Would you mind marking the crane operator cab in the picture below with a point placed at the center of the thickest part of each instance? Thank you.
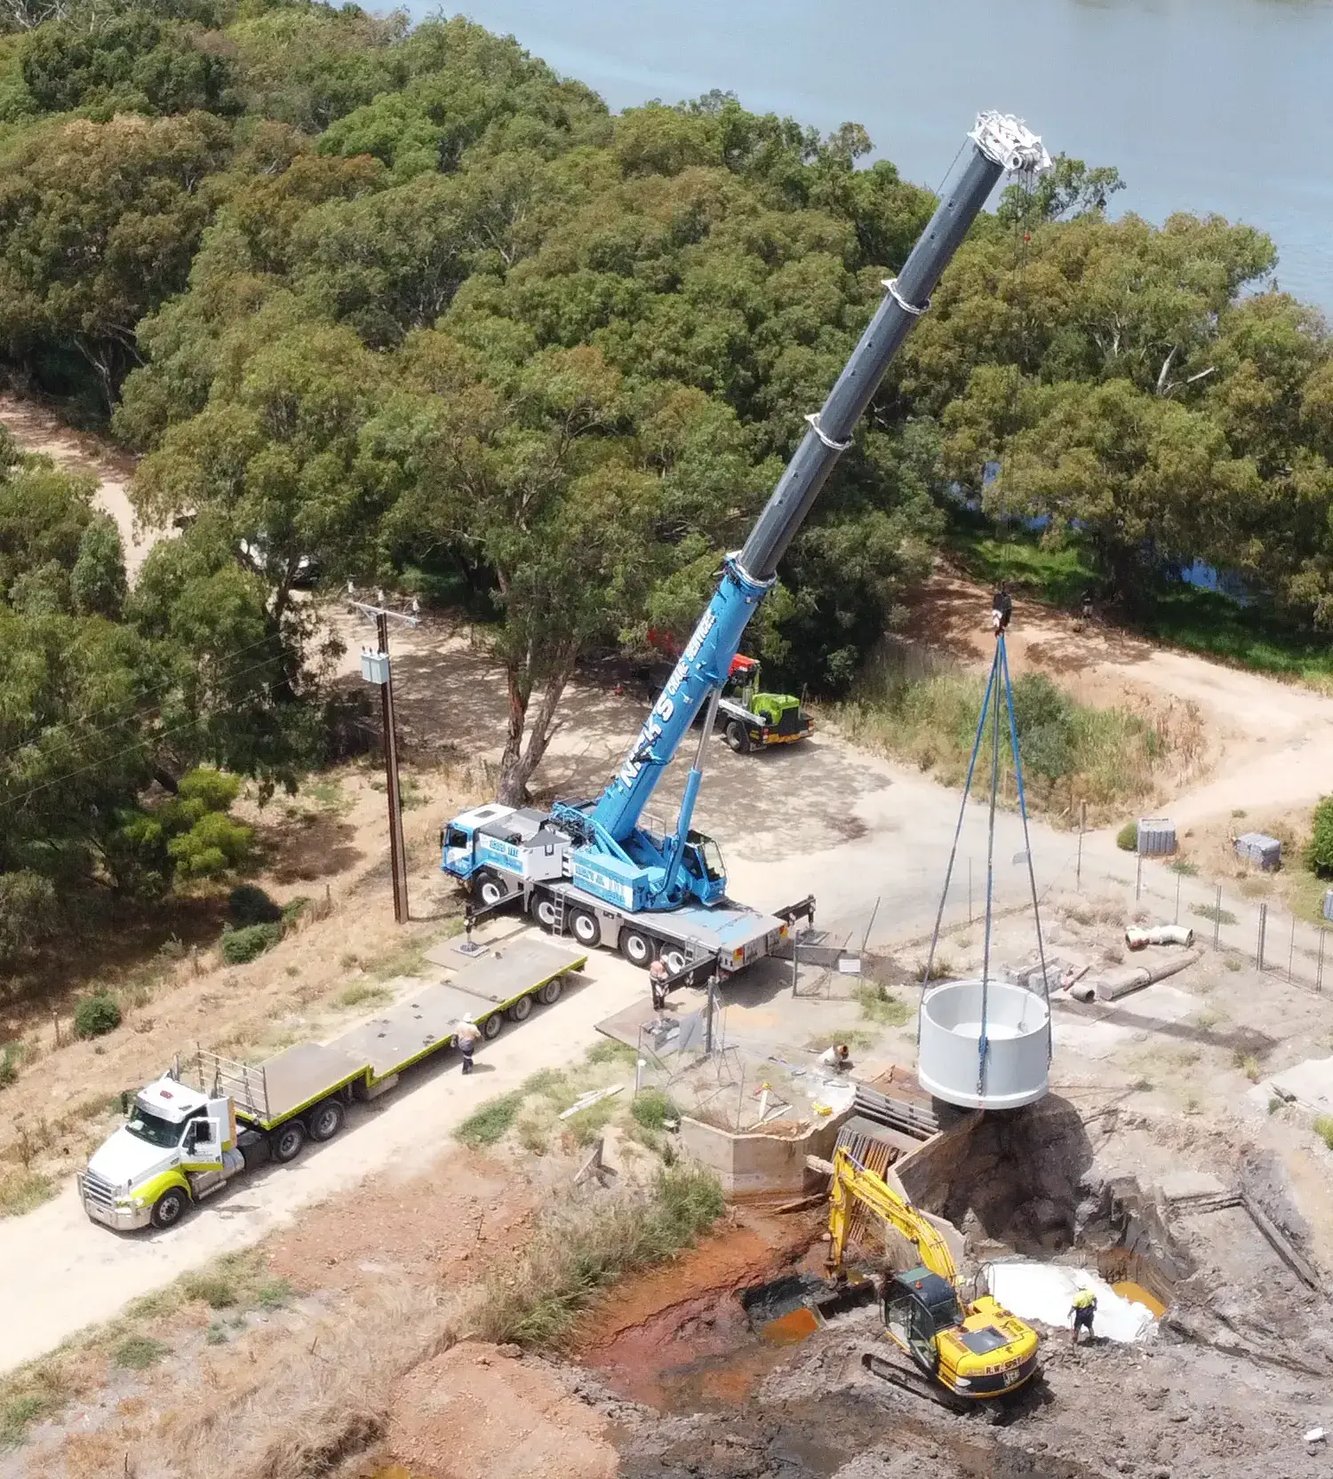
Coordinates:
(707, 874)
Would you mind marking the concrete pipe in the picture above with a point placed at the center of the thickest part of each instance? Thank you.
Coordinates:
(1159, 934)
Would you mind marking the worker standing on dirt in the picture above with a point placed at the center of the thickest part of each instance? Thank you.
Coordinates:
(657, 984)
(838, 1058)
(467, 1037)
(1001, 608)
(1083, 1309)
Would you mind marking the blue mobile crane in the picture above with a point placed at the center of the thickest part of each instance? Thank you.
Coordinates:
(592, 868)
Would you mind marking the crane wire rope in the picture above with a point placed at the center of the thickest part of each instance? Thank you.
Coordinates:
(999, 689)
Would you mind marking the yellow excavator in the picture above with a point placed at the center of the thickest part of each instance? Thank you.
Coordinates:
(975, 1349)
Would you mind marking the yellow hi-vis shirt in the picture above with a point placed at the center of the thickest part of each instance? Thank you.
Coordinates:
(1084, 1298)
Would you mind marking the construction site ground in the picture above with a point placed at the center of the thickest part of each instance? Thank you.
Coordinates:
(1167, 1080)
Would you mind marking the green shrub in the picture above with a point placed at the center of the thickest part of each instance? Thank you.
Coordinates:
(1323, 1127)
(293, 909)
(240, 946)
(1127, 838)
(249, 904)
(491, 1122)
(1321, 838)
(652, 1108)
(96, 1015)
(9, 1063)
(579, 1249)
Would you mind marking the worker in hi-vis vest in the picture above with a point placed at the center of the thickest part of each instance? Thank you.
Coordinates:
(1083, 1309)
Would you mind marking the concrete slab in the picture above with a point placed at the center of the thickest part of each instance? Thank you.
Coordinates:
(1177, 1184)
(1309, 1084)
(1099, 1029)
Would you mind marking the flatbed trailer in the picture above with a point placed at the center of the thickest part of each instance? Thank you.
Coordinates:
(212, 1118)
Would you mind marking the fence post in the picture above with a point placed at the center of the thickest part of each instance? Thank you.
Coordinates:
(1319, 970)
(1082, 828)
(1217, 917)
(1263, 926)
(1138, 875)
(1177, 918)
(1291, 953)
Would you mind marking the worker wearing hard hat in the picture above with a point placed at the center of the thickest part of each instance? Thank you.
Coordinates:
(467, 1035)
(1083, 1309)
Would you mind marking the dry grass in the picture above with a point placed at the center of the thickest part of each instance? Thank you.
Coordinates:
(924, 710)
(276, 1417)
(581, 1248)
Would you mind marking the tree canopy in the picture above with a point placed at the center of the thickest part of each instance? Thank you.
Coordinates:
(403, 301)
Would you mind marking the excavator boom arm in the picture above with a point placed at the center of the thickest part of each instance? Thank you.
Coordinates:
(853, 1183)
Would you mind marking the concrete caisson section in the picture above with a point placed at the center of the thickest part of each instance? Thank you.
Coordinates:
(1014, 1068)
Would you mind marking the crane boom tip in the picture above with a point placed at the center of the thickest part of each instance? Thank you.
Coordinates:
(1010, 142)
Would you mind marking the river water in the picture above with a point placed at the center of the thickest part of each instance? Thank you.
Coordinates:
(1203, 105)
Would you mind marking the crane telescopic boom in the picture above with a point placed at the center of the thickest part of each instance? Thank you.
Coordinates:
(1000, 143)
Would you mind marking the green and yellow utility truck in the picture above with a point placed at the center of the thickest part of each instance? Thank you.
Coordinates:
(210, 1119)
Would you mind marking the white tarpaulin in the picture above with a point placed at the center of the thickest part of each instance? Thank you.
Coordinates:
(1045, 1292)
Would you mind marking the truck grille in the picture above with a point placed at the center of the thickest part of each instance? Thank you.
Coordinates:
(98, 1190)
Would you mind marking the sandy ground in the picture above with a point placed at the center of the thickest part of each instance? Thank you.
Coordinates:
(1275, 740)
(36, 429)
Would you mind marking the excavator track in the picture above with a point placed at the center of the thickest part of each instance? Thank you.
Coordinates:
(909, 1379)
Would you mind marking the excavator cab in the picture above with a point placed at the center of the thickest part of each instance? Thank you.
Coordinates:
(917, 1306)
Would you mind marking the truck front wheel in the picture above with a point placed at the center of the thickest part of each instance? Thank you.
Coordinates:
(287, 1140)
(737, 737)
(489, 888)
(169, 1208)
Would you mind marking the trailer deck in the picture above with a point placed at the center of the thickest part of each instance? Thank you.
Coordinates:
(379, 1049)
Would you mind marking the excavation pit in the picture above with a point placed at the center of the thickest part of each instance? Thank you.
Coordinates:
(1012, 1071)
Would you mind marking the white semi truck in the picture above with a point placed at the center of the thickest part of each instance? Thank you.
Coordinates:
(210, 1119)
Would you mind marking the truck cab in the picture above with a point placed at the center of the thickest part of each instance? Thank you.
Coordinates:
(752, 719)
(176, 1145)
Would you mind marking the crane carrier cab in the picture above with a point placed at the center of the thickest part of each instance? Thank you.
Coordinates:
(522, 858)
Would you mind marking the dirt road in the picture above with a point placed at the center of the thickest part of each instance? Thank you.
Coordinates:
(67, 1273)
(1274, 740)
(36, 429)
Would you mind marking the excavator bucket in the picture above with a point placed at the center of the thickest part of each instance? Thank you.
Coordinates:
(788, 1309)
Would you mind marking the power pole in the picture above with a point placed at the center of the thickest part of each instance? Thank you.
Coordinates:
(376, 668)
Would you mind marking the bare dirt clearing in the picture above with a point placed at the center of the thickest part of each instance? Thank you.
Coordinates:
(1273, 740)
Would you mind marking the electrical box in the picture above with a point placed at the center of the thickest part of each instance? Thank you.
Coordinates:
(374, 666)
(1258, 848)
